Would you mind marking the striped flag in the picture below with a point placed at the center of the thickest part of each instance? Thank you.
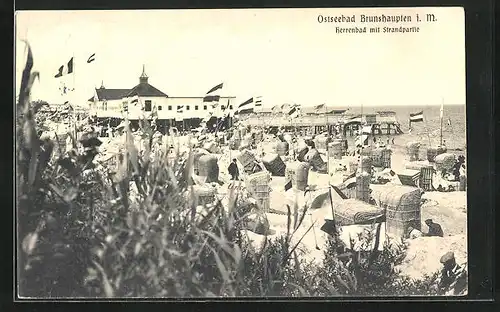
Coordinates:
(246, 107)
(258, 101)
(65, 69)
(217, 87)
(417, 117)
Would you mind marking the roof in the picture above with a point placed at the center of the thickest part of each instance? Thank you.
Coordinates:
(307, 110)
(323, 110)
(110, 94)
(145, 89)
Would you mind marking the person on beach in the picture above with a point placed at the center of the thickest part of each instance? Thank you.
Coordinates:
(233, 170)
(434, 228)
(453, 279)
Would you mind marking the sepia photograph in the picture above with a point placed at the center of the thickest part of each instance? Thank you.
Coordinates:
(231, 153)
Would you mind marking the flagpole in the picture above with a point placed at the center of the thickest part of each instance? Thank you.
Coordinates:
(328, 136)
(441, 122)
(74, 95)
(427, 127)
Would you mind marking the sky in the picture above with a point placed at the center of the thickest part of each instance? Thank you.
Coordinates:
(283, 55)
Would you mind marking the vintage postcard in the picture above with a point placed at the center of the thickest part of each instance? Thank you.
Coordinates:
(241, 152)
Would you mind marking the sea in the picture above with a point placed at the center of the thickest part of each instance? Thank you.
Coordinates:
(428, 131)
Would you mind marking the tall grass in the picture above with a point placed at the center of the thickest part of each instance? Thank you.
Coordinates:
(136, 230)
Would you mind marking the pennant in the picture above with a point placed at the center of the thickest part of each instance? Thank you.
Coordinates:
(65, 69)
(217, 87)
(288, 185)
(417, 117)
(247, 102)
(91, 58)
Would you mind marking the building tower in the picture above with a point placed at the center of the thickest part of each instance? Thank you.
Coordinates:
(144, 78)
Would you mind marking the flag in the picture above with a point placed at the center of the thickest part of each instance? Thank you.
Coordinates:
(288, 185)
(448, 121)
(65, 69)
(293, 112)
(211, 98)
(317, 108)
(91, 58)
(245, 107)
(258, 101)
(217, 87)
(417, 117)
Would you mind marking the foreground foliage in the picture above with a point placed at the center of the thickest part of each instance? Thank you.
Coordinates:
(136, 230)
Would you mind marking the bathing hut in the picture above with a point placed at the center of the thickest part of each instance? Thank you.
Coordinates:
(402, 206)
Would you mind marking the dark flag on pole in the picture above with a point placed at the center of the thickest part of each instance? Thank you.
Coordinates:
(217, 87)
(317, 108)
(245, 107)
(293, 112)
(91, 58)
(65, 69)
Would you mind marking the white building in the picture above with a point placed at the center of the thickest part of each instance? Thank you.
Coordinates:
(110, 104)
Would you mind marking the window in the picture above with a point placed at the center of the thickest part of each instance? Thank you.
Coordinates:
(147, 105)
(187, 107)
(230, 106)
(170, 107)
(204, 107)
(196, 107)
(223, 107)
(159, 107)
(178, 107)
